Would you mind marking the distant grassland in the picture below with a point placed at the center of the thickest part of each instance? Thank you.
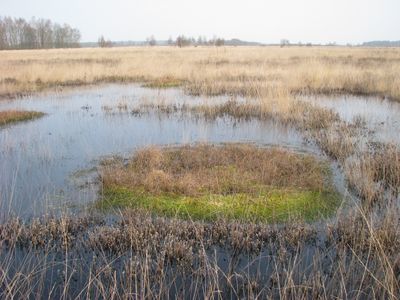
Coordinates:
(262, 72)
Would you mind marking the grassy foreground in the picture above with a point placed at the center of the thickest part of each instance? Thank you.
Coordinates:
(234, 182)
(12, 116)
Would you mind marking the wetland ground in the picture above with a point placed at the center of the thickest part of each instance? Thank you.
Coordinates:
(231, 182)
(248, 172)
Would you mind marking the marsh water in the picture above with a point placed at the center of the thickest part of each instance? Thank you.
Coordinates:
(380, 116)
(49, 164)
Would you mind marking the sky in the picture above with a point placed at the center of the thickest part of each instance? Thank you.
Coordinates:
(268, 21)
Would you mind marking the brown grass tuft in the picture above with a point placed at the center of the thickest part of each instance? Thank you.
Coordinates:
(193, 170)
(12, 116)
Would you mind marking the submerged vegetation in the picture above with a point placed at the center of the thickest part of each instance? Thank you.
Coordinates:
(232, 181)
(12, 116)
(155, 257)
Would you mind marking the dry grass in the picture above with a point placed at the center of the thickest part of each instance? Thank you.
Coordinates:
(232, 181)
(372, 170)
(141, 256)
(375, 175)
(250, 71)
(12, 116)
(193, 170)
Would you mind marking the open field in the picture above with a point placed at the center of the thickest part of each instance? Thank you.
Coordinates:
(230, 172)
(250, 71)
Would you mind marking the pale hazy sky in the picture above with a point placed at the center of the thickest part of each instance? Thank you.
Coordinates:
(256, 20)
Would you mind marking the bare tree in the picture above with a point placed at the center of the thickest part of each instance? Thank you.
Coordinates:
(59, 36)
(219, 42)
(3, 37)
(9, 33)
(199, 40)
(182, 41)
(21, 34)
(74, 37)
(44, 33)
(68, 37)
(151, 41)
(103, 43)
(284, 43)
(30, 37)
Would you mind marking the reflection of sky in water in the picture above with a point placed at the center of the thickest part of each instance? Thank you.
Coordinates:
(382, 116)
(39, 157)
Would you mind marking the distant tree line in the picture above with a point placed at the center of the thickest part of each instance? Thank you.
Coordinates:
(182, 41)
(103, 43)
(17, 33)
(151, 41)
(287, 43)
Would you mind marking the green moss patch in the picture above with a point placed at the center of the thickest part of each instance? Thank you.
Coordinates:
(207, 182)
(273, 206)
